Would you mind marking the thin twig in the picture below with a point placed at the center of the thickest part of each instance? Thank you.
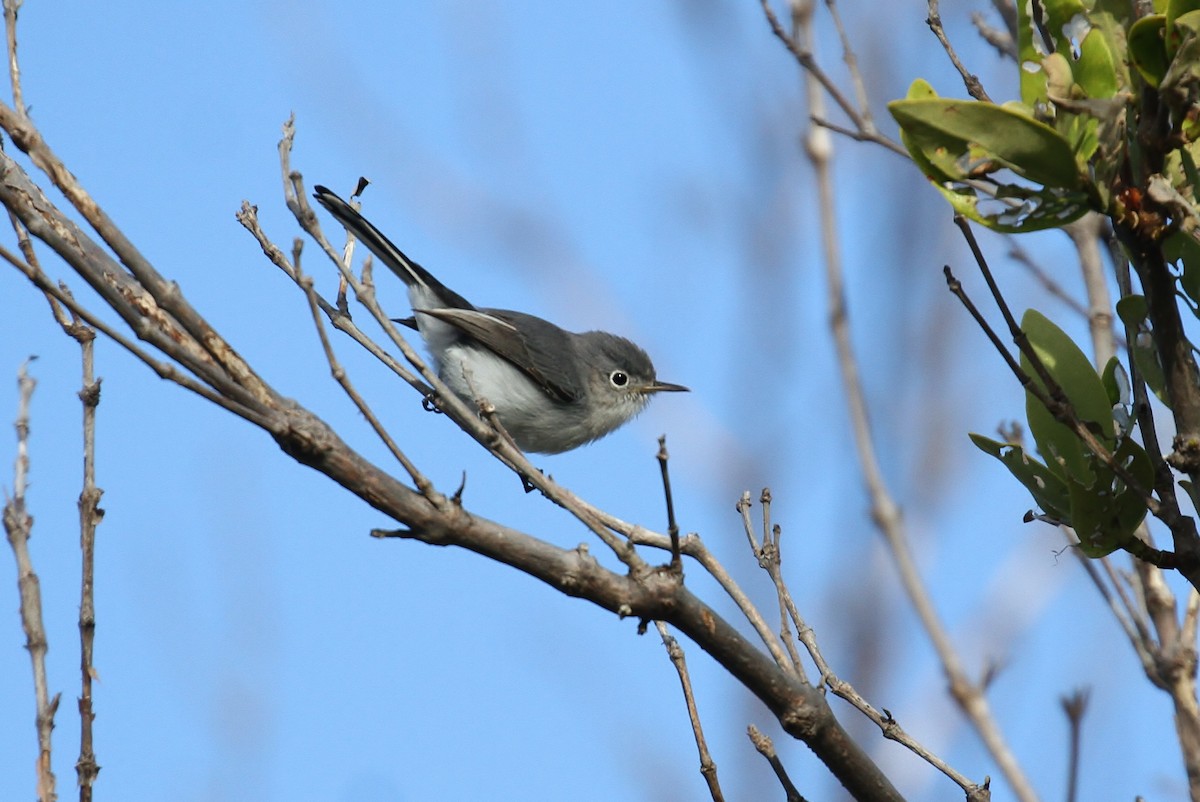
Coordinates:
(18, 525)
(693, 546)
(1085, 234)
(1052, 396)
(766, 747)
(1074, 706)
(848, 55)
(970, 80)
(1038, 15)
(420, 481)
(672, 526)
(1005, 45)
(708, 768)
(90, 515)
(11, 9)
(884, 510)
(860, 136)
(805, 59)
(768, 557)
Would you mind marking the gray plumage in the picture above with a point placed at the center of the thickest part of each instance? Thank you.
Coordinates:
(553, 389)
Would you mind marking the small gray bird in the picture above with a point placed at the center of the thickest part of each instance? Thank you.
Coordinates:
(553, 390)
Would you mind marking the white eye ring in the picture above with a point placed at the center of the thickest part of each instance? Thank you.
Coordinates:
(618, 378)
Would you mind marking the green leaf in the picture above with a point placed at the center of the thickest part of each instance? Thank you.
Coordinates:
(1133, 311)
(980, 131)
(1106, 512)
(1016, 210)
(1183, 49)
(1147, 48)
(1175, 23)
(1109, 378)
(1049, 490)
(1067, 365)
(950, 165)
(1181, 247)
(1096, 69)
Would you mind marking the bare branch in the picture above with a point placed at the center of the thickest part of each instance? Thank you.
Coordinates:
(884, 511)
(766, 748)
(18, 525)
(11, 8)
(708, 768)
(970, 80)
(1074, 706)
(770, 559)
(806, 61)
(90, 515)
(672, 526)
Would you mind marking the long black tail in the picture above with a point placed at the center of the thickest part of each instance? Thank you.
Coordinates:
(385, 250)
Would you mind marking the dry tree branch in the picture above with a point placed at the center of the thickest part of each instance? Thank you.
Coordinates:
(60, 294)
(672, 526)
(18, 525)
(420, 481)
(770, 559)
(884, 511)
(863, 126)
(766, 748)
(1085, 234)
(693, 546)
(1074, 707)
(158, 313)
(11, 8)
(90, 515)
(970, 80)
(708, 768)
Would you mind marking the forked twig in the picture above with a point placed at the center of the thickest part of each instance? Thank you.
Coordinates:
(770, 559)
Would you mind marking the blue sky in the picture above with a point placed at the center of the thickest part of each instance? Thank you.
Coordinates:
(627, 166)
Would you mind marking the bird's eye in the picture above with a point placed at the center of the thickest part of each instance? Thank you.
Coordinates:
(619, 378)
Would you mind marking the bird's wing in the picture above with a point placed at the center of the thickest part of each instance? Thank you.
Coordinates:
(496, 330)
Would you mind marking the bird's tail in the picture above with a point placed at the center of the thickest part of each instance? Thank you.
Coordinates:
(411, 273)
